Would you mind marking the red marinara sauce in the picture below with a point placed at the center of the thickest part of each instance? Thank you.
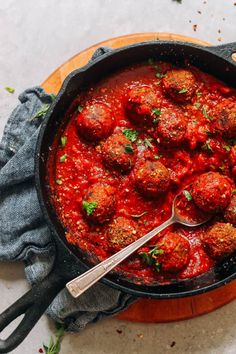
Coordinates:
(163, 118)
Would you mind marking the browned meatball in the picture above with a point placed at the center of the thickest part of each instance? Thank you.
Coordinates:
(225, 119)
(172, 127)
(121, 233)
(99, 203)
(220, 241)
(95, 121)
(151, 178)
(140, 103)
(119, 153)
(211, 191)
(175, 254)
(179, 84)
(230, 211)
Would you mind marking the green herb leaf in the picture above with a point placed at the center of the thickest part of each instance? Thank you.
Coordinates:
(184, 90)
(156, 111)
(187, 195)
(137, 216)
(79, 109)
(53, 96)
(147, 142)
(63, 158)
(129, 149)
(63, 141)
(197, 104)
(226, 147)
(41, 113)
(157, 157)
(9, 89)
(58, 181)
(89, 207)
(205, 114)
(222, 168)
(234, 191)
(54, 346)
(207, 146)
(160, 75)
(151, 257)
(198, 94)
(130, 134)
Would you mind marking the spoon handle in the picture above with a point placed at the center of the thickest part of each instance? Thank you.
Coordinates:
(80, 284)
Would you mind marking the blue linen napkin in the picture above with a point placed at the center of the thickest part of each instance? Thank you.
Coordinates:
(24, 234)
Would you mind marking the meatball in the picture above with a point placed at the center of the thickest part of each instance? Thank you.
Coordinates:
(140, 103)
(119, 153)
(172, 127)
(121, 233)
(225, 119)
(220, 241)
(179, 84)
(151, 178)
(230, 211)
(99, 203)
(175, 254)
(211, 191)
(95, 121)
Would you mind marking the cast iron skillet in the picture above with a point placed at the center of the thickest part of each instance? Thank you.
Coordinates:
(69, 262)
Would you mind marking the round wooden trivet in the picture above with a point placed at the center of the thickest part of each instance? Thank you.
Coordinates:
(146, 310)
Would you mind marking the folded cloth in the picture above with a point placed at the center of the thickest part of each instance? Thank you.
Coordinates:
(24, 234)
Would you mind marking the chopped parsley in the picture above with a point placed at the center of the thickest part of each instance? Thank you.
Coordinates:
(198, 94)
(234, 191)
(157, 157)
(156, 111)
(197, 104)
(187, 195)
(151, 257)
(129, 149)
(63, 141)
(79, 109)
(160, 75)
(226, 147)
(63, 158)
(205, 114)
(89, 207)
(130, 134)
(41, 113)
(207, 146)
(184, 90)
(147, 142)
(58, 181)
(54, 345)
(222, 168)
(137, 216)
(9, 89)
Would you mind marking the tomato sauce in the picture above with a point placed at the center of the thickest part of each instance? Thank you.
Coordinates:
(78, 164)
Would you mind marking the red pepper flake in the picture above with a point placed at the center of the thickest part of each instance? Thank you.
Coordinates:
(194, 28)
(40, 350)
(119, 331)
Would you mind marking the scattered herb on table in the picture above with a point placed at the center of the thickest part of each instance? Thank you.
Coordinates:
(187, 195)
(89, 207)
(9, 89)
(130, 134)
(54, 345)
(129, 149)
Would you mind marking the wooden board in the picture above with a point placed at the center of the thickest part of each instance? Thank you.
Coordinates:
(146, 310)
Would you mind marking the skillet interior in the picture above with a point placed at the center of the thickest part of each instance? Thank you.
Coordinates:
(205, 59)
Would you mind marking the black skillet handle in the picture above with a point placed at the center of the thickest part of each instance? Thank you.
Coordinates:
(225, 51)
(100, 51)
(33, 304)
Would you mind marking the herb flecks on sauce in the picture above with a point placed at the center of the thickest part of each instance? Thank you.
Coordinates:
(89, 207)
(151, 257)
(130, 134)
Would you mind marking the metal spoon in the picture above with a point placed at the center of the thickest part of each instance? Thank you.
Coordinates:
(80, 284)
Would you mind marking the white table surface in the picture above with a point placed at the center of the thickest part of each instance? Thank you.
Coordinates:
(35, 38)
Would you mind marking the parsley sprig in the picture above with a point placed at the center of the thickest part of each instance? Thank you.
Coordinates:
(54, 345)
(89, 207)
(130, 134)
(151, 257)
